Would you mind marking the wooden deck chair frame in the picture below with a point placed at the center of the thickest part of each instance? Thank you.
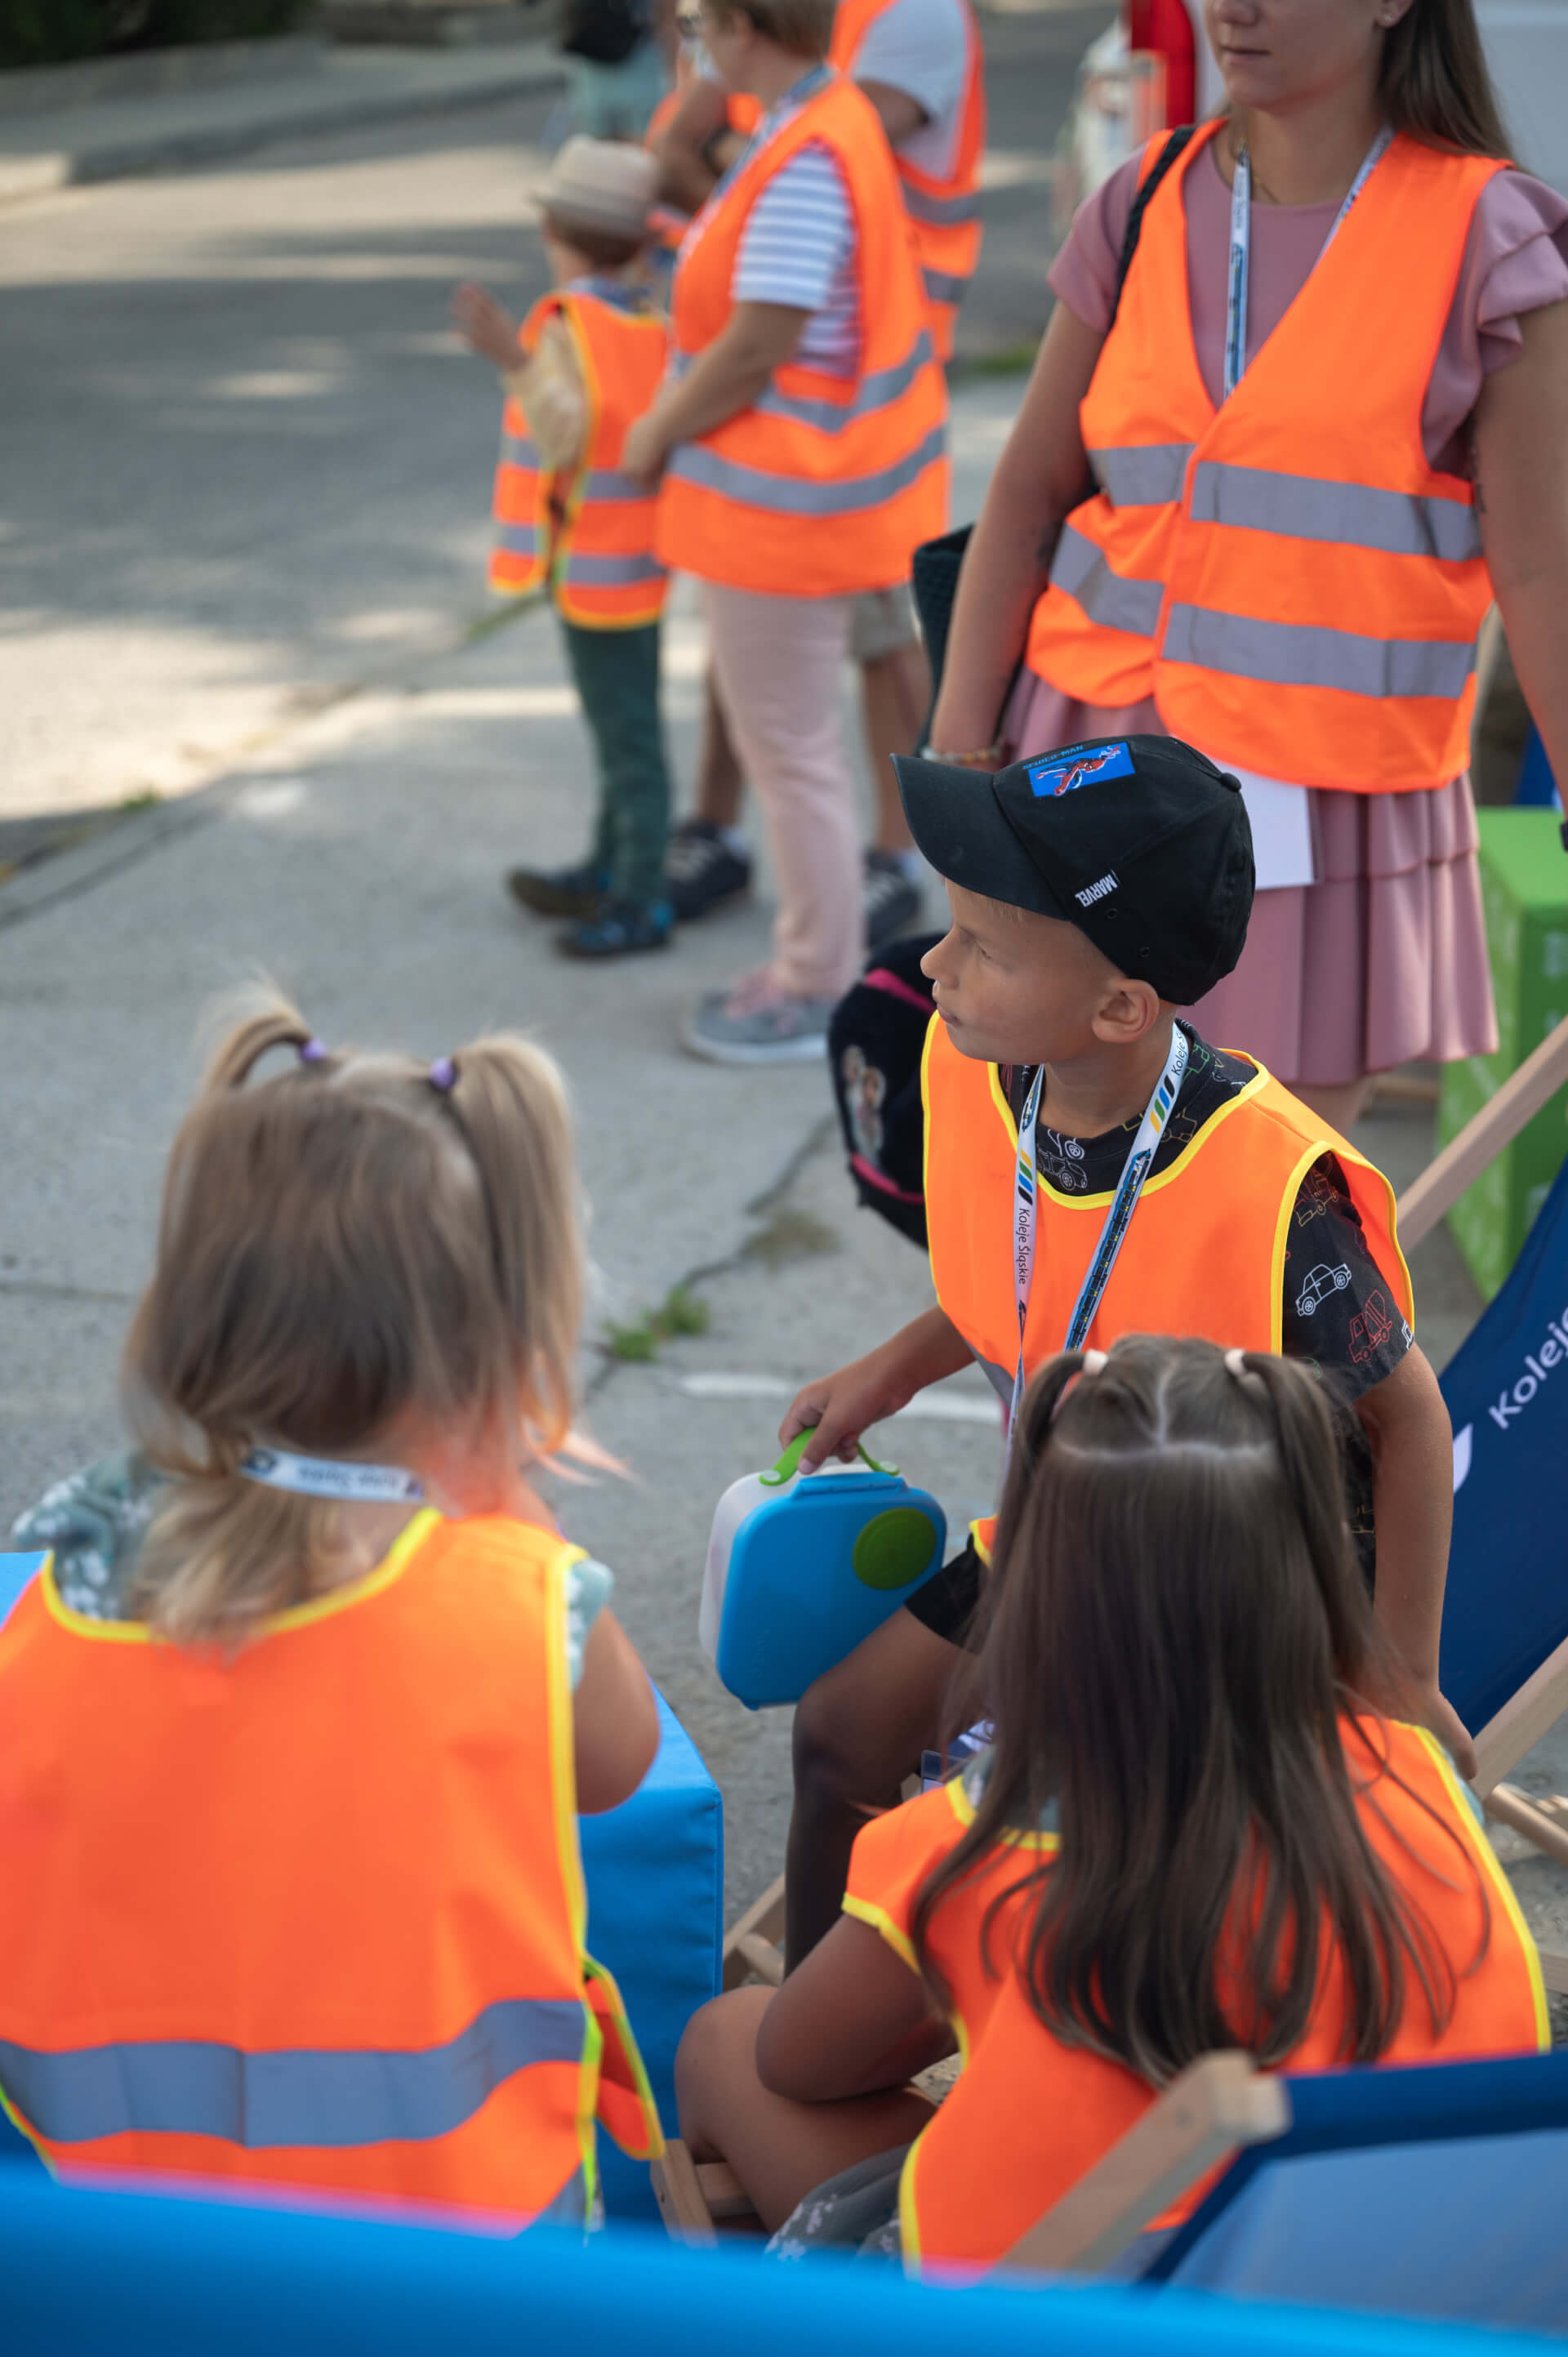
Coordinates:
(1204, 2118)
(1542, 1699)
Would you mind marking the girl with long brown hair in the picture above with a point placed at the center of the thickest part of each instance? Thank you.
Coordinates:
(1199, 1825)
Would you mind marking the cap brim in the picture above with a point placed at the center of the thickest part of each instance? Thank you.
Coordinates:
(959, 826)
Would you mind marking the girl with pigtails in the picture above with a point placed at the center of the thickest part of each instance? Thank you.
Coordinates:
(1204, 1823)
(290, 1821)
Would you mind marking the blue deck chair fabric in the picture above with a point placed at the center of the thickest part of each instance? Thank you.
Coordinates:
(1506, 1389)
(1429, 2190)
(125, 2275)
(655, 1872)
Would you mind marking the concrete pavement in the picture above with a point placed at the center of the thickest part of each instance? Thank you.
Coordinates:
(94, 126)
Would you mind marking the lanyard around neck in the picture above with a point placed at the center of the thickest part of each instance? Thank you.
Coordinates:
(1118, 1218)
(1241, 250)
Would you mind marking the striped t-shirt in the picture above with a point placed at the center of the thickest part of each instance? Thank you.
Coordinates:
(799, 246)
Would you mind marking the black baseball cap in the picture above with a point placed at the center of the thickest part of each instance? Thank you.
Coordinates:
(1140, 842)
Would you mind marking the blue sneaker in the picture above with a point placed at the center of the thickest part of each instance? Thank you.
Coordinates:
(560, 891)
(617, 927)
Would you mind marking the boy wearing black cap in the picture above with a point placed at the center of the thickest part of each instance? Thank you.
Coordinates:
(1093, 1168)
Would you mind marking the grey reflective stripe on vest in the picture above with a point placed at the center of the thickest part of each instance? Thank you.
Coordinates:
(880, 389)
(1081, 569)
(1293, 655)
(517, 539)
(942, 286)
(610, 572)
(516, 450)
(793, 495)
(1301, 506)
(609, 485)
(326, 2097)
(941, 212)
(1142, 475)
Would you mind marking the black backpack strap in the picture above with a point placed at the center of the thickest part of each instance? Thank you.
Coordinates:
(1162, 164)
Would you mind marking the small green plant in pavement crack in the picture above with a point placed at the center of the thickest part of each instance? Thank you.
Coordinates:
(681, 1311)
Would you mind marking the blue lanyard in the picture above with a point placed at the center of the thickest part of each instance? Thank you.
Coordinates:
(1118, 1218)
(1241, 250)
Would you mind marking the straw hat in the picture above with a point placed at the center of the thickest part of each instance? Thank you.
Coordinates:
(603, 184)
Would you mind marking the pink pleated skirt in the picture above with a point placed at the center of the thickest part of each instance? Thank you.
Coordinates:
(1382, 960)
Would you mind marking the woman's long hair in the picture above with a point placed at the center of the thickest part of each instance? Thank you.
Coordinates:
(1434, 83)
(1176, 1625)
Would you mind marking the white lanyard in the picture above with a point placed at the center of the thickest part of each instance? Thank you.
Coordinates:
(338, 1478)
(1118, 1218)
(1241, 248)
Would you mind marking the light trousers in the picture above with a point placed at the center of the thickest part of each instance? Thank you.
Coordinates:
(777, 664)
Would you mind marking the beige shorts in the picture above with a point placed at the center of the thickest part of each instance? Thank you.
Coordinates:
(880, 621)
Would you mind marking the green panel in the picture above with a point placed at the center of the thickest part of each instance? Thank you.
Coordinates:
(894, 1548)
(1524, 891)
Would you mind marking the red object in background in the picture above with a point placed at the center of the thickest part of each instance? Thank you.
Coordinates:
(1166, 27)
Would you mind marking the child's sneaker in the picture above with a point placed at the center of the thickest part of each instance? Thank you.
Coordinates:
(703, 868)
(560, 891)
(616, 927)
(757, 1023)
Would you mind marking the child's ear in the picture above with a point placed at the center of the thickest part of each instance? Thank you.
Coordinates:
(1128, 1012)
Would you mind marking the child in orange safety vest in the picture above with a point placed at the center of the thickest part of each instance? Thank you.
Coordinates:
(1094, 1169)
(570, 523)
(288, 1804)
(1194, 1830)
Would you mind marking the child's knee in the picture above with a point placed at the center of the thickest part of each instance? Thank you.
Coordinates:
(824, 1742)
(718, 2047)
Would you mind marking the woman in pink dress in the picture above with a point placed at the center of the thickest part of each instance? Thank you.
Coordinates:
(1367, 945)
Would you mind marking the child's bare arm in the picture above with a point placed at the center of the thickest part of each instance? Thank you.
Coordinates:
(852, 2020)
(1412, 1442)
(841, 1407)
(614, 1718)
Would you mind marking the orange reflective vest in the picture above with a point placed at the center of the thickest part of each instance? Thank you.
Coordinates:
(1206, 1250)
(945, 209)
(589, 534)
(1298, 590)
(826, 485)
(311, 1912)
(1030, 2115)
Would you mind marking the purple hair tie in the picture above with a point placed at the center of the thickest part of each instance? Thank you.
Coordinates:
(442, 1074)
(312, 1052)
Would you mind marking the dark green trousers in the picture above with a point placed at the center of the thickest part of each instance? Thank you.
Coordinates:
(616, 676)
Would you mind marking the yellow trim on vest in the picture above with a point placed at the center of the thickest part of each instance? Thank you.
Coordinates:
(20, 2125)
(908, 2222)
(963, 1810)
(1277, 1259)
(563, 1797)
(391, 1567)
(594, 1971)
(1151, 1186)
(926, 1102)
(1492, 1869)
(879, 1919)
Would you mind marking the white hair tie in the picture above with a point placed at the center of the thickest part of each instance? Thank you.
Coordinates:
(1092, 1362)
(1236, 1364)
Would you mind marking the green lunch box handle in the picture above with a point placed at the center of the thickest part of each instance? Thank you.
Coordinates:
(788, 1465)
